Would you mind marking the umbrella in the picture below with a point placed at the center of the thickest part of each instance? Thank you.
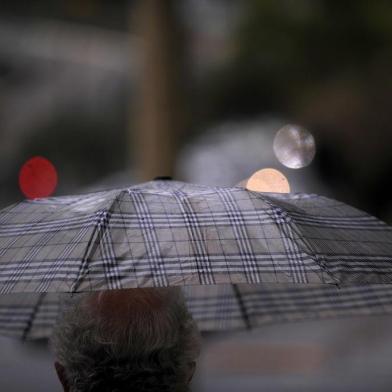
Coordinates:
(243, 258)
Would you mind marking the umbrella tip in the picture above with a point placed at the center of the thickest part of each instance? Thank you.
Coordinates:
(163, 178)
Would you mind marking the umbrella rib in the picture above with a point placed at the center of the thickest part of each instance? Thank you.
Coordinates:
(241, 304)
(95, 240)
(292, 226)
(33, 316)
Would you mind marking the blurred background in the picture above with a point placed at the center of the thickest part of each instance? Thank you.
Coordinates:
(115, 93)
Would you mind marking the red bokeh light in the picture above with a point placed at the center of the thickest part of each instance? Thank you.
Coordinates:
(37, 178)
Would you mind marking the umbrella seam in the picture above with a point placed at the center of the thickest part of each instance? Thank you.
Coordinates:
(308, 249)
(94, 241)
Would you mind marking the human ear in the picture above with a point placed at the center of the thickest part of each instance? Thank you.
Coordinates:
(191, 372)
(60, 370)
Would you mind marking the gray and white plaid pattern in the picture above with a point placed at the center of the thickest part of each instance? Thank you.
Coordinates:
(221, 307)
(164, 233)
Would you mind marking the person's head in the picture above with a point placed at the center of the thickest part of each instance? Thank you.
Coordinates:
(136, 340)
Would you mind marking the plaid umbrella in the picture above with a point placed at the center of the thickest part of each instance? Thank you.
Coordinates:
(243, 258)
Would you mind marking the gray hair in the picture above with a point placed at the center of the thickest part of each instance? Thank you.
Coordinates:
(127, 340)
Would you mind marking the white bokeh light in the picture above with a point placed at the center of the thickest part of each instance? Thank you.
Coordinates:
(294, 146)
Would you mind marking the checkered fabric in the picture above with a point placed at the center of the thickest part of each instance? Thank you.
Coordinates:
(167, 233)
(223, 307)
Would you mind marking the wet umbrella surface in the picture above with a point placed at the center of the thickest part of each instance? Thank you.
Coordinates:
(243, 258)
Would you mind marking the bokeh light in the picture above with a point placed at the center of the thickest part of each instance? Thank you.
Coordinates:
(268, 180)
(37, 178)
(294, 146)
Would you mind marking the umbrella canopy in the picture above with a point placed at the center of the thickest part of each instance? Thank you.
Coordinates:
(216, 307)
(243, 258)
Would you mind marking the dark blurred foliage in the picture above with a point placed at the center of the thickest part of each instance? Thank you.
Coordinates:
(72, 98)
(103, 13)
(285, 49)
(326, 65)
(322, 64)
